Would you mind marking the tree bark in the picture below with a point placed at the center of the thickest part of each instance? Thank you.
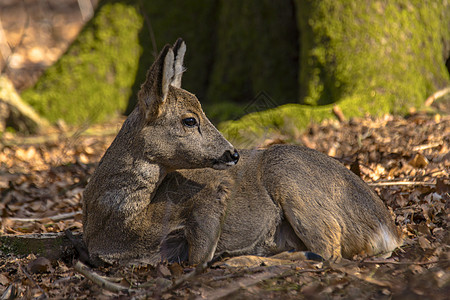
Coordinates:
(387, 55)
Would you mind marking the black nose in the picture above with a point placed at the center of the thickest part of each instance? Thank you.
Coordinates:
(232, 157)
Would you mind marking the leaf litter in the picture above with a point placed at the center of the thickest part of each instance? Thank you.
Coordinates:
(406, 160)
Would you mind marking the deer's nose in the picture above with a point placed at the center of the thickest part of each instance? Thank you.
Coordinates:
(232, 157)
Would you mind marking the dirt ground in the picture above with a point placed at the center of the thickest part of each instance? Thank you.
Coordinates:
(406, 161)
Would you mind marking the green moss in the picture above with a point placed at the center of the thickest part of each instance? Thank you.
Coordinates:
(252, 129)
(371, 57)
(386, 56)
(88, 83)
(103, 69)
(288, 120)
(381, 53)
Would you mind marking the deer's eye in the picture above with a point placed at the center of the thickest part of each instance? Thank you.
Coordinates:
(189, 122)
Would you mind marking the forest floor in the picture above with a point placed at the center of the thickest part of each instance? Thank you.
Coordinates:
(405, 160)
(42, 178)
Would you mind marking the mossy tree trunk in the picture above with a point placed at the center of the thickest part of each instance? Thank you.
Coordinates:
(92, 79)
(102, 70)
(391, 53)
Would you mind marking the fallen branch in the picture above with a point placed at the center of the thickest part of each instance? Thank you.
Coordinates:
(394, 183)
(24, 116)
(363, 277)
(57, 137)
(240, 284)
(49, 245)
(338, 113)
(99, 280)
(436, 96)
(426, 146)
(55, 218)
(33, 281)
(250, 280)
(403, 262)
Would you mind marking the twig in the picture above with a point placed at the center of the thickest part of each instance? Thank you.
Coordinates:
(198, 270)
(250, 280)
(235, 286)
(363, 277)
(404, 262)
(32, 280)
(426, 146)
(437, 95)
(393, 183)
(338, 113)
(55, 218)
(99, 280)
(35, 140)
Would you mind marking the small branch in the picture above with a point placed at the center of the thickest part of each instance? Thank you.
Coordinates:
(198, 270)
(250, 280)
(51, 138)
(99, 280)
(33, 281)
(404, 262)
(426, 146)
(363, 277)
(338, 113)
(28, 118)
(55, 218)
(50, 245)
(394, 183)
(436, 96)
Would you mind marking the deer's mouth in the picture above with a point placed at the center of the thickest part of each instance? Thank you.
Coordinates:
(228, 159)
(219, 165)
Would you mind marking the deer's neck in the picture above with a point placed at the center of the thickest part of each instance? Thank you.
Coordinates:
(127, 180)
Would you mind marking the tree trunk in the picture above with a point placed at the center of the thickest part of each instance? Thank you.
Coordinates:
(378, 56)
(386, 55)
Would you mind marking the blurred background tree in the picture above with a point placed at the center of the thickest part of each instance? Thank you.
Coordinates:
(367, 57)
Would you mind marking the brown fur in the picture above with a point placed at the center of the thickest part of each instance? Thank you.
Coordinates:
(158, 192)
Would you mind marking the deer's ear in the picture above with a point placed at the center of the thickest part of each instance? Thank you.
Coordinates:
(167, 70)
(168, 73)
(179, 49)
(154, 90)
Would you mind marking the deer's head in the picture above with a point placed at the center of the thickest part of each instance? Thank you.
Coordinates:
(174, 130)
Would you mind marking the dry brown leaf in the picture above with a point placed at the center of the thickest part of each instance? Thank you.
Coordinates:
(4, 280)
(419, 161)
(40, 265)
(424, 243)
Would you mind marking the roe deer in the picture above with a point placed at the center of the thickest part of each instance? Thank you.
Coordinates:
(170, 187)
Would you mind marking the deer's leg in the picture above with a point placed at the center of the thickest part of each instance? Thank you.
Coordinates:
(204, 223)
(317, 227)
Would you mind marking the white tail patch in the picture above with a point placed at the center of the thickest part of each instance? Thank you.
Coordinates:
(384, 241)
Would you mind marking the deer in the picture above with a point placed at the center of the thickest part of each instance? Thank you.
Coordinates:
(171, 188)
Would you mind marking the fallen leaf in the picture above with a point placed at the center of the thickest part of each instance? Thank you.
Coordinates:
(424, 243)
(40, 265)
(419, 161)
(163, 270)
(4, 280)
